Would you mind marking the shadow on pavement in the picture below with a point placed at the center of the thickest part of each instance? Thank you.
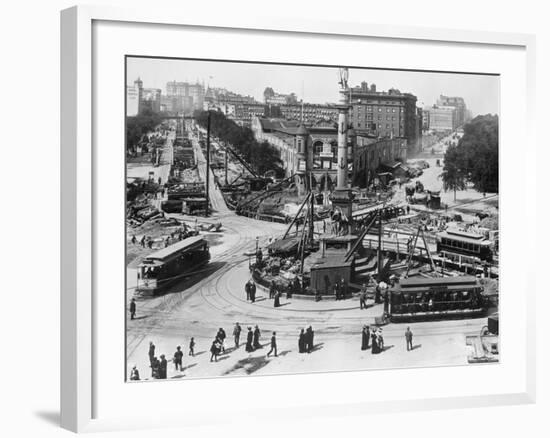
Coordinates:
(51, 417)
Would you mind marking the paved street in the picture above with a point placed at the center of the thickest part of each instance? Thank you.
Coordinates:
(215, 298)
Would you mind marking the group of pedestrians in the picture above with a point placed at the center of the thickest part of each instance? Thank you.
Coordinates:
(305, 340)
(218, 345)
(159, 365)
(145, 241)
(373, 336)
(253, 339)
(250, 289)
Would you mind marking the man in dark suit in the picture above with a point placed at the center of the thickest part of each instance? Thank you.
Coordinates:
(273, 345)
(409, 339)
(132, 308)
(253, 291)
(247, 289)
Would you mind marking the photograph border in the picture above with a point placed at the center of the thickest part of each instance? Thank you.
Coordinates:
(78, 201)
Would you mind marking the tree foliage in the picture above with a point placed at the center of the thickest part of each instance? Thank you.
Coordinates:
(137, 126)
(475, 158)
(261, 156)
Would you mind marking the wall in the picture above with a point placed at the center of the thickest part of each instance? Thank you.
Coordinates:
(30, 286)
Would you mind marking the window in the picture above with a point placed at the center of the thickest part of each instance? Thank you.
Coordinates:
(379, 110)
(387, 110)
(393, 110)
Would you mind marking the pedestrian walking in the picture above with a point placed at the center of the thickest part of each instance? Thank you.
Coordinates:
(365, 337)
(375, 348)
(237, 334)
(252, 291)
(409, 339)
(277, 300)
(215, 350)
(302, 342)
(134, 240)
(249, 340)
(247, 289)
(272, 289)
(178, 358)
(336, 291)
(151, 352)
(363, 297)
(167, 241)
(257, 335)
(142, 241)
(192, 347)
(150, 243)
(163, 367)
(155, 368)
(273, 345)
(134, 374)
(132, 308)
(309, 339)
(221, 337)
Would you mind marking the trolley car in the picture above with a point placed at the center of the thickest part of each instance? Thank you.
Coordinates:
(462, 242)
(160, 269)
(426, 298)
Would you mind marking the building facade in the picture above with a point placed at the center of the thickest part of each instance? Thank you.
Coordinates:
(386, 114)
(442, 118)
(321, 149)
(459, 105)
(185, 97)
(139, 98)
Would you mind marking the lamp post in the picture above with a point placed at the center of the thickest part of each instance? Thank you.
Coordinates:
(257, 243)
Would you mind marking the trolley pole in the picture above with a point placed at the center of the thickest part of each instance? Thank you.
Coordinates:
(207, 210)
(225, 164)
(379, 262)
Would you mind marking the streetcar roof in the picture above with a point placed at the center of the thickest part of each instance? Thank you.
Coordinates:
(171, 250)
(464, 237)
(421, 284)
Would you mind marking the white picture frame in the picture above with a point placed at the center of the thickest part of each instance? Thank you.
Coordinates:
(80, 366)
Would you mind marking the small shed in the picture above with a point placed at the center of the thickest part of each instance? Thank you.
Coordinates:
(327, 271)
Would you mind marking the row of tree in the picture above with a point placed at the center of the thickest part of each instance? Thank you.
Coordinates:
(262, 156)
(475, 158)
(137, 126)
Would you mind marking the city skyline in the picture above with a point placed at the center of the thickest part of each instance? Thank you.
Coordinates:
(316, 84)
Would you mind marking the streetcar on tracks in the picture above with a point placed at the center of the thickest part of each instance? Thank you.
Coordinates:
(422, 298)
(162, 268)
(464, 243)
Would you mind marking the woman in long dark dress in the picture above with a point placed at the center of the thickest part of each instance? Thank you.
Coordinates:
(302, 342)
(257, 338)
(365, 337)
(249, 337)
(277, 301)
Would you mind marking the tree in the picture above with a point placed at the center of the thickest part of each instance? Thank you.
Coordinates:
(475, 158)
(261, 156)
(453, 174)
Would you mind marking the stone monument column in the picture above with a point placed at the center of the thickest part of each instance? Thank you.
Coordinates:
(341, 197)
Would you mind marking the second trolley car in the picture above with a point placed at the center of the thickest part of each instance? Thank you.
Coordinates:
(462, 242)
(162, 268)
(426, 298)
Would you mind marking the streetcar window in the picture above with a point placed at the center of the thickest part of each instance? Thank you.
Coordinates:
(476, 248)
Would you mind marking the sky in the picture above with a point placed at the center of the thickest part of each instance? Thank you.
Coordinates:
(316, 84)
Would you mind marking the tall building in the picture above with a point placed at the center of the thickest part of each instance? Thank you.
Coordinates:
(458, 104)
(187, 97)
(366, 154)
(386, 114)
(442, 118)
(139, 98)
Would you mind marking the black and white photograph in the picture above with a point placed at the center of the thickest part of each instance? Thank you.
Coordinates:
(290, 219)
